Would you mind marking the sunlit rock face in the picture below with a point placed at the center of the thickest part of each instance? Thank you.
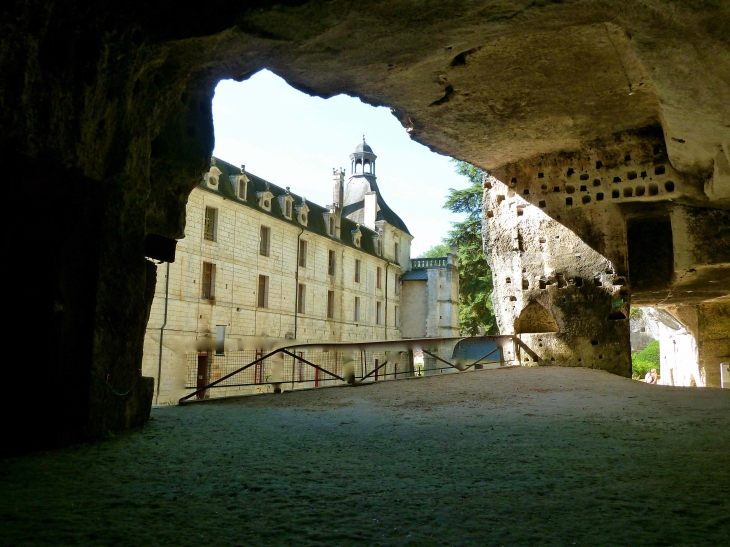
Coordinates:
(565, 301)
(117, 97)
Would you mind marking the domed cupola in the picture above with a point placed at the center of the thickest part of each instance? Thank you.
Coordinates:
(363, 160)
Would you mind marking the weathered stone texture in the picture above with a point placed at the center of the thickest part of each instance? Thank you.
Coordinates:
(119, 94)
(569, 299)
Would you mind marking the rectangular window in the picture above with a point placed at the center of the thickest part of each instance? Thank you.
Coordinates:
(242, 189)
(357, 271)
(357, 309)
(265, 241)
(377, 278)
(211, 219)
(220, 336)
(330, 304)
(301, 298)
(397, 319)
(207, 287)
(263, 291)
(302, 253)
(379, 313)
(397, 254)
(332, 226)
(397, 284)
(287, 209)
(331, 263)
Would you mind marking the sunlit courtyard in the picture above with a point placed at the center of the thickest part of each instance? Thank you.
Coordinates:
(520, 456)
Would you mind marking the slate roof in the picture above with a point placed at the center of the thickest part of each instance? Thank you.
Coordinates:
(385, 213)
(415, 275)
(363, 147)
(315, 224)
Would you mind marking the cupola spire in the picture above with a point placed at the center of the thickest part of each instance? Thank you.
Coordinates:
(363, 160)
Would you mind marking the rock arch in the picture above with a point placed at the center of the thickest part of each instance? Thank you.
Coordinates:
(535, 318)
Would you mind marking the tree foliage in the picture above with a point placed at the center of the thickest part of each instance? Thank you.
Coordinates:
(442, 249)
(475, 277)
(646, 359)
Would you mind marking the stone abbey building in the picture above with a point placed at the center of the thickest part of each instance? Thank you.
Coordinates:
(260, 266)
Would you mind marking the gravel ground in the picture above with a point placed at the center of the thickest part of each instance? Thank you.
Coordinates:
(523, 456)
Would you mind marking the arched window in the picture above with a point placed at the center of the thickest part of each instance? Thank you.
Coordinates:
(366, 166)
(358, 166)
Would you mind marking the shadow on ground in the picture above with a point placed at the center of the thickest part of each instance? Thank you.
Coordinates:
(538, 456)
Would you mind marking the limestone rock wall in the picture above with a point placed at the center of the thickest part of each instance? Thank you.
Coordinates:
(706, 326)
(560, 296)
(119, 95)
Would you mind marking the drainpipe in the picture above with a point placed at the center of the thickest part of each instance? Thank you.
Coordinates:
(162, 333)
(296, 287)
(387, 265)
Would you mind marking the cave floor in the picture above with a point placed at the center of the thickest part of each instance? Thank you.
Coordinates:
(523, 456)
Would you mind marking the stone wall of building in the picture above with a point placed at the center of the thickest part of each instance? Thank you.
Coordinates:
(415, 308)
(192, 320)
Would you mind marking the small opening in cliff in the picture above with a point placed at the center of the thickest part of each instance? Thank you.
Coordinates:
(651, 252)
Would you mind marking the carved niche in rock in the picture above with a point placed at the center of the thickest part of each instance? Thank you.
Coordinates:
(535, 318)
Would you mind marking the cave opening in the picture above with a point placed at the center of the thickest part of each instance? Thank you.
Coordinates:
(651, 252)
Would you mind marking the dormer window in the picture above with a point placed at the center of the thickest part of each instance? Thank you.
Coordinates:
(239, 185)
(330, 224)
(265, 199)
(378, 244)
(211, 177)
(302, 212)
(286, 202)
(356, 236)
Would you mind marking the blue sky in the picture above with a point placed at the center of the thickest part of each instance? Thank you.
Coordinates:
(292, 139)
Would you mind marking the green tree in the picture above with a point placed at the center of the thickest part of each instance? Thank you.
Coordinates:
(645, 360)
(475, 277)
(442, 249)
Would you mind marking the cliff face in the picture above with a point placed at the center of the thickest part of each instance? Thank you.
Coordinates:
(107, 125)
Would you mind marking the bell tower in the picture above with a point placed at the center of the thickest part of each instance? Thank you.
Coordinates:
(363, 160)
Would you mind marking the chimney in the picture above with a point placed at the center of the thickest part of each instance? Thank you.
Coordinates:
(338, 190)
(370, 212)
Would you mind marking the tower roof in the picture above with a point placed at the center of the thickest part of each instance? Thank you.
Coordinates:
(363, 146)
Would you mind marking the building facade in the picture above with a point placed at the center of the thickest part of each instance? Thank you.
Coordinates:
(261, 267)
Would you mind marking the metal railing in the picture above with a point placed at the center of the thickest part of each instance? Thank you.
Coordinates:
(317, 365)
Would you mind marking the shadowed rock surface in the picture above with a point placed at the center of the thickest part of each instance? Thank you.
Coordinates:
(524, 457)
(106, 126)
